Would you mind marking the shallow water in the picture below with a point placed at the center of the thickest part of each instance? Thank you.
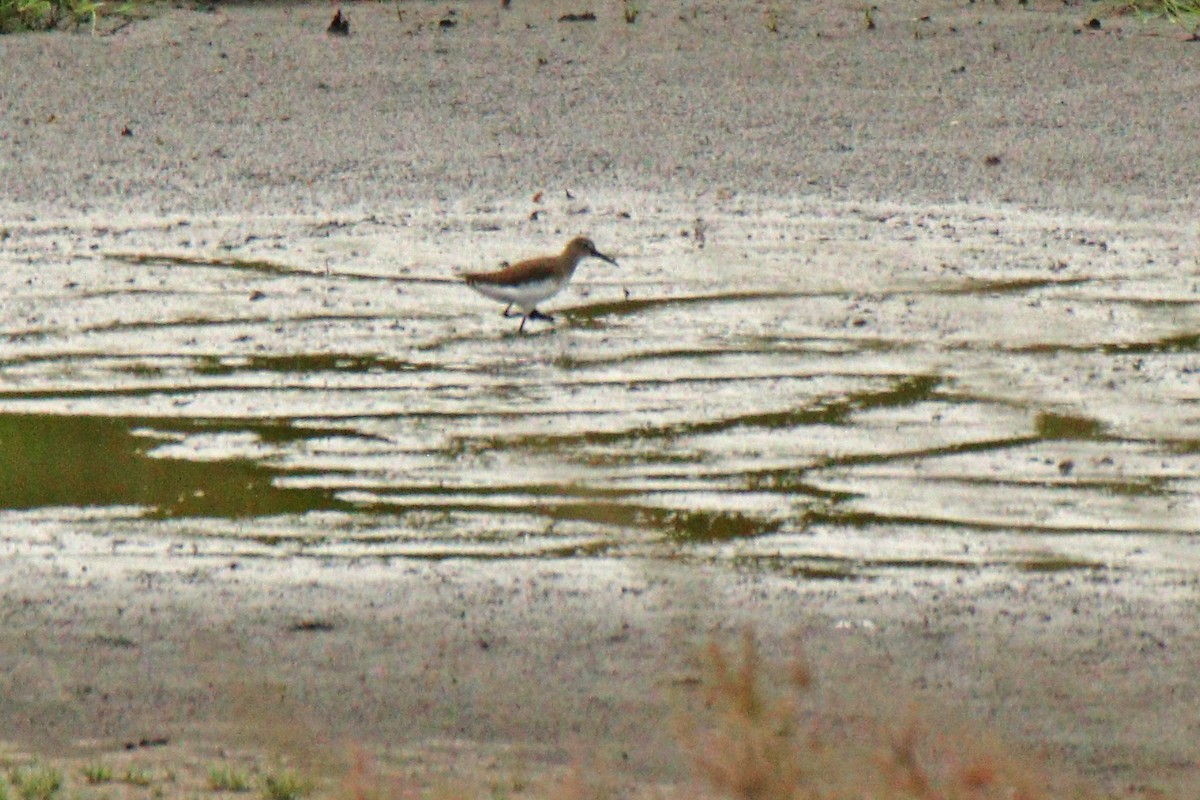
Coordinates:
(827, 391)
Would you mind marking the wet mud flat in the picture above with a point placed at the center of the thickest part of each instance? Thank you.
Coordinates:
(948, 450)
(900, 374)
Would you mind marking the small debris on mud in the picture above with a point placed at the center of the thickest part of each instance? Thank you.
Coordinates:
(312, 626)
(155, 741)
(340, 25)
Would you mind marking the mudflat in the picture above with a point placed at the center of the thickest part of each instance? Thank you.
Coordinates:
(897, 372)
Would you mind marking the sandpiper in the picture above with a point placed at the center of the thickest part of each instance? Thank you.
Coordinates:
(528, 283)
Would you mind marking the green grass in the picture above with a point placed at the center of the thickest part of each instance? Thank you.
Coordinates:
(37, 781)
(40, 15)
(97, 773)
(1185, 13)
(285, 785)
(227, 779)
(137, 776)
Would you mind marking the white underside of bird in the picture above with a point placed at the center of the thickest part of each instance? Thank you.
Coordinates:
(525, 296)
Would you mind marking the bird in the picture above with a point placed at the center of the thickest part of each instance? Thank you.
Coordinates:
(527, 283)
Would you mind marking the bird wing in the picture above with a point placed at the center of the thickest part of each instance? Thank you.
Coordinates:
(537, 269)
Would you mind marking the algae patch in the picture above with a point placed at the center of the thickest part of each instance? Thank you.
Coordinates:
(85, 461)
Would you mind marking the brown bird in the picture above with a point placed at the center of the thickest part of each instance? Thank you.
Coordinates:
(527, 283)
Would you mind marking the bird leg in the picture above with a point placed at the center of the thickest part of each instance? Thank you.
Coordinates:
(534, 314)
(508, 309)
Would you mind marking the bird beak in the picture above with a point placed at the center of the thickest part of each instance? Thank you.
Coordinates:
(603, 257)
